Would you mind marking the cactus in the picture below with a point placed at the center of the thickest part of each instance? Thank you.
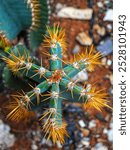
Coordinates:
(53, 85)
(31, 15)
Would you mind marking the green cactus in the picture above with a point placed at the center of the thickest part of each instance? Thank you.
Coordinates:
(19, 15)
(53, 85)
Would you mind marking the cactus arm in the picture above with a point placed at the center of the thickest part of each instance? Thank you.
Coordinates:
(32, 99)
(29, 70)
(71, 71)
(56, 103)
(56, 64)
(73, 91)
(36, 73)
(55, 60)
(9, 79)
(36, 33)
(20, 55)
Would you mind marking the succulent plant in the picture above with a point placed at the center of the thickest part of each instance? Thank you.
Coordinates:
(30, 15)
(53, 85)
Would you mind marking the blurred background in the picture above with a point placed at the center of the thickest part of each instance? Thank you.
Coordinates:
(89, 130)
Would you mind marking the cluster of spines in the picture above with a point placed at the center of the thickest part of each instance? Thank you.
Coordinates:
(60, 81)
(5, 44)
(35, 8)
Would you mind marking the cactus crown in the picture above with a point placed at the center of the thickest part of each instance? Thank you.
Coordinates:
(54, 84)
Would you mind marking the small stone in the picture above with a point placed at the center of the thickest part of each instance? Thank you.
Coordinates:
(109, 62)
(85, 132)
(104, 61)
(101, 31)
(109, 26)
(100, 4)
(6, 138)
(81, 76)
(108, 15)
(105, 131)
(76, 49)
(85, 141)
(105, 47)
(84, 39)
(82, 124)
(43, 141)
(79, 146)
(106, 1)
(74, 13)
(100, 146)
(59, 144)
(34, 147)
(111, 125)
(49, 143)
(59, 6)
(110, 135)
(92, 124)
(97, 135)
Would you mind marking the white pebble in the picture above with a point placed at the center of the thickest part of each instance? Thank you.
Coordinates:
(92, 124)
(82, 124)
(108, 15)
(109, 62)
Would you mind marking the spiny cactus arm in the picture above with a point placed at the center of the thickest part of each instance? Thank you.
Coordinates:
(87, 59)
(22, 65)
(13, 82)
(55, 57)
(71, 70)
(56, 103)
(72, 92)
(54, 127)
(90, 97)
(32, 99)
(40, 13)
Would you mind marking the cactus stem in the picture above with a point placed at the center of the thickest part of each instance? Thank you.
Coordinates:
(57, 35)
(35, 7)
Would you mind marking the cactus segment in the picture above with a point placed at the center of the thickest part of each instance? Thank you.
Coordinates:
(40, 15)
(31, 15)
